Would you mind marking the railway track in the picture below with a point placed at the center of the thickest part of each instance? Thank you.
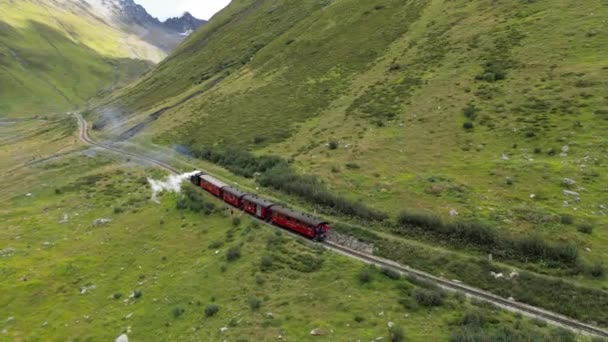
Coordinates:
(450, 285)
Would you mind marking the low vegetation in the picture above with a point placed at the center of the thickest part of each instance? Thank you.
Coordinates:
(276, 173)
(486, 239)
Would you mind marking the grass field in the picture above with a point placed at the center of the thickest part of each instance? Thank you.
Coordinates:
(156, 272)
(527, 79)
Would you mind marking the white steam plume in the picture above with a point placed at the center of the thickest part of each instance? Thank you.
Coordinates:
(172, 183)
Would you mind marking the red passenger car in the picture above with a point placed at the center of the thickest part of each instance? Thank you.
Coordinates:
(256, 206)
(304, 224)
(233, 196)
(212, 184)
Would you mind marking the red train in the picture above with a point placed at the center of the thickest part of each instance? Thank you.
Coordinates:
(304, 224)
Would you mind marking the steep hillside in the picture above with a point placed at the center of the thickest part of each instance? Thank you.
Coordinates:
(58, 54)
(491, 110)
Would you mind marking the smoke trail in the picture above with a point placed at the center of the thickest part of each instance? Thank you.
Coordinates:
(172, 184)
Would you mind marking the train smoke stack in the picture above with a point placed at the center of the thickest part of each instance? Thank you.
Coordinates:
(172, 183)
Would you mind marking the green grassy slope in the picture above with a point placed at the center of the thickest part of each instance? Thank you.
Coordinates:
(52, 58)
(62, 278)
(390, 82)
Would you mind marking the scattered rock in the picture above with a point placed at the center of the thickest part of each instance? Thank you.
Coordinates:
(603, 207)
(566, 149)
(101, 221)
(453, 212)
(511, 299)
(390, 325)
(122, 338)
(532, 196)
(588, 249)
(514, 274)
(64, 218)
(28, 194)
(569, 181)
(129, 316)
(319, 332)
(45, 324)
(571, 193)
(504, 157)
(7, 252)
(350, 242)
(4, 331)
(269, 315)
(10, 319)
(497, 275)
(223, 329)
(85, 289)
(381, 313)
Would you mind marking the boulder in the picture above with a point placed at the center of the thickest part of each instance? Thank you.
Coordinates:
(319, 332)
(571, 193)
(101, 221)
(569, 181)
(122, 338)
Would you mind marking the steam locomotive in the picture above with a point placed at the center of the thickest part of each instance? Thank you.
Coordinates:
(301, 223)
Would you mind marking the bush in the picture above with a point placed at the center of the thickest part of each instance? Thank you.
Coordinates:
(365, 275)
(359, 318)
(390, 273)
(397, 334)
(260, 280)
(567, 219)
(266, 263)
(485, 238)
(211, 310)
(216, 245)
(137, 294)
(470, 112)
(117, 295)
(585, 228)
(233, 254)
(236, 221)
(333, 145)
(177, 312)
(538, 150)
(428, 298)
(597, 270)
(473, 319)
(254, 303)
(468, 125)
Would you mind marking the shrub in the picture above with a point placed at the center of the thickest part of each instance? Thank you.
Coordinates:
(117, 295)
(233, 254)
(390, 273)
(266, 263)
(428, 298)
(254, 303)
(597, 270)
(236, 221)
(365, 275)
(211, 310)
(397, 334)
(260, 280)
(359, 318)
(353, 166)
(470, 112)
(216, 245)
(178, 311)
(137, 294)
(258, 140)
(333, 145)
(473, 319)
(538, 150)
(585, 228)
(468, 125)
(422, 220)
(567, 219)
